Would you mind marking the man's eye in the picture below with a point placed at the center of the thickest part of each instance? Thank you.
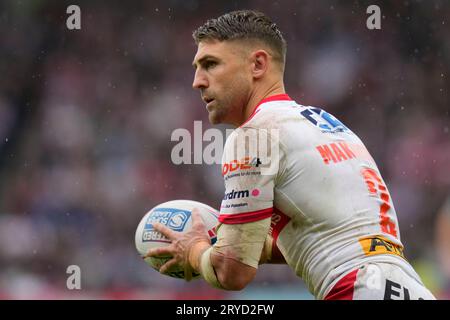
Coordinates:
(209, 64)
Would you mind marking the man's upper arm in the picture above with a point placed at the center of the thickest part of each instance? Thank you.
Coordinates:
(249, 168)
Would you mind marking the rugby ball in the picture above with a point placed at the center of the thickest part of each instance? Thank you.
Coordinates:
(175, 215)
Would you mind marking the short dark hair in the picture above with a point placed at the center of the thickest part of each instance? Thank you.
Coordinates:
(244, 24)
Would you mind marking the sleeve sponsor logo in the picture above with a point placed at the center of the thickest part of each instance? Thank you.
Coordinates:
(380, 245)
(174, 219)
(252, 147)
(233, 205)
(243, 164)
(241, 194)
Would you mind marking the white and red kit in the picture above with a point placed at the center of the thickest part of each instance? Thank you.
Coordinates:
(333, 219)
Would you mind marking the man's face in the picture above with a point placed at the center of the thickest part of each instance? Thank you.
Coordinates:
(222, 74)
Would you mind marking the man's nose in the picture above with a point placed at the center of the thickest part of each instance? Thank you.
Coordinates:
(200, 81)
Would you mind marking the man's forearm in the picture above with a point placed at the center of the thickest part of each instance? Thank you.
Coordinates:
(232, 262)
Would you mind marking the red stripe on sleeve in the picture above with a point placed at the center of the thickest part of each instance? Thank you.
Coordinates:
(245, 217)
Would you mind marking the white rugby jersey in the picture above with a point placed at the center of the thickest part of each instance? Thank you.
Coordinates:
(331, 210)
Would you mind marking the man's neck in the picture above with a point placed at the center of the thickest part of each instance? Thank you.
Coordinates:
(259, 95)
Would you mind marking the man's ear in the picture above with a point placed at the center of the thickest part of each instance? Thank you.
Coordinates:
(260, 59)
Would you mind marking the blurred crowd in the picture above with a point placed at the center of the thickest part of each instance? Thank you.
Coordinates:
(86, 118)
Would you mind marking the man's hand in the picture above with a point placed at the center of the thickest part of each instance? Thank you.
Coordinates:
(186, 247)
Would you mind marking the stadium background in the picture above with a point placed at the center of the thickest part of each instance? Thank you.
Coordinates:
(86, 118)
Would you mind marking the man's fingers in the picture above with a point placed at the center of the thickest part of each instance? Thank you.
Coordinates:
(188, 273)
(197, 217)
(170, 234)
(161, 251)
(169, 264)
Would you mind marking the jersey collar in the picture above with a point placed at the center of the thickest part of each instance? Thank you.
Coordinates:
(276, 97)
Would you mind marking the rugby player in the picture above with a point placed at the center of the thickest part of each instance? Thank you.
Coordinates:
(317, 201)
